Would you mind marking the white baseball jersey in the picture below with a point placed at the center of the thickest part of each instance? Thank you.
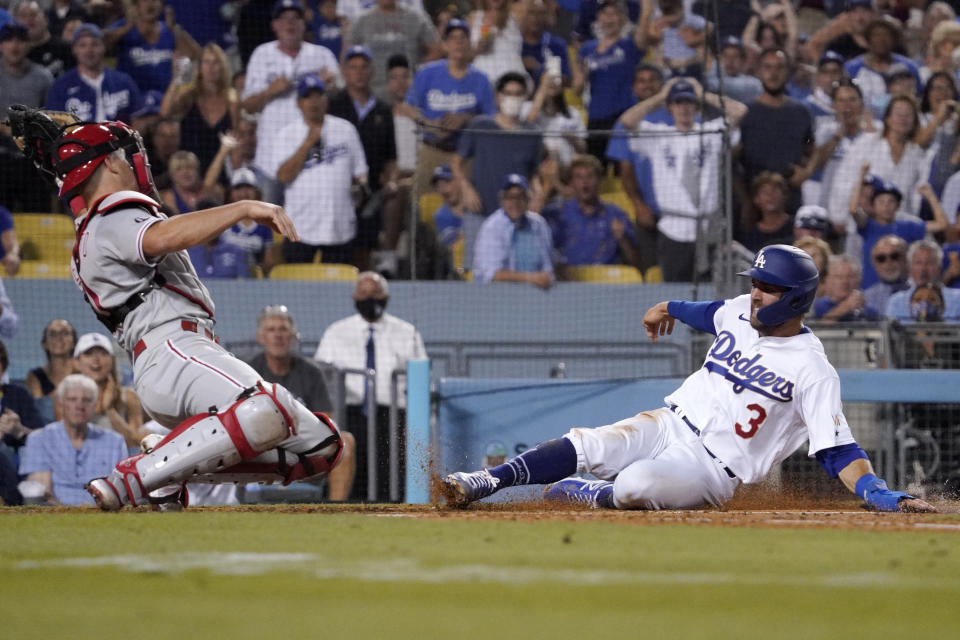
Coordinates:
(686, 170)
(110, 267)
(267, 63)
(318, 200)
(756, 399)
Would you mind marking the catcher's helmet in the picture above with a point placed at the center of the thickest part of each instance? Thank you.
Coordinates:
(789, 267)
(82, 149)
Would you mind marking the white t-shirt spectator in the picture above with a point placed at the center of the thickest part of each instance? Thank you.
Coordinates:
(318, 200)
(686, 170)
(266, 64)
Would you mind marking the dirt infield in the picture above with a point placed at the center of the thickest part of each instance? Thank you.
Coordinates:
(813, 516)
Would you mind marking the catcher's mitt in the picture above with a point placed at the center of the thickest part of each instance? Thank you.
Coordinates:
(36, 132)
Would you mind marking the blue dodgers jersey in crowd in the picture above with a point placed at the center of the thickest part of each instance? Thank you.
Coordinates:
(328, 34)
(436, 93)
(71, 93)
(223, 260)
(549, 44)
(611, 76)
(583, 239)
(149, 64)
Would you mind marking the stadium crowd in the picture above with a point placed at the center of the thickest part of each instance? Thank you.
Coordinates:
(531, 138)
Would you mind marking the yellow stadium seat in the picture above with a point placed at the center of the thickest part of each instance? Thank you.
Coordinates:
(323, 271)
(429, 203)
(40, 269)
(609, 273)
(43, 236)
(621, 199)
(456, 254)
(610, 183)
(653, 274)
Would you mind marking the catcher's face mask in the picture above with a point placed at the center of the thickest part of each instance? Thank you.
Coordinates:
(83, 148)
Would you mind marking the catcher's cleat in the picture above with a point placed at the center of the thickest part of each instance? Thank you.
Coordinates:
(169, 498)
(104, 494)
(461, 488)
(596, 494)
(120, 488)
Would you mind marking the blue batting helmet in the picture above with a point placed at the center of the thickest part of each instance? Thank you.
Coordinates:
(789, 267)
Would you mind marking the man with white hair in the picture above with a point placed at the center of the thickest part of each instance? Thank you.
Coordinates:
(282, 363)
(925, 266)
(371, 339)
(65, 455)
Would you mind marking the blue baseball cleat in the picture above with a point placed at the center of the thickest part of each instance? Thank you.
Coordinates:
(461, 488)
(596, 494)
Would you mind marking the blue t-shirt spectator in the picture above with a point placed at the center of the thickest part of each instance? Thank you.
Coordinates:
(823, 306)
(491, 163)
(588, 239)
(6, 222)
(908, 230)
(611, 76)
(255, 239)
(50, 449)
(203, 20)
(150, 64)
(436, 93)
(329, 34)
(119, 96)
(549, 45)
(222, 260)
(448, 225)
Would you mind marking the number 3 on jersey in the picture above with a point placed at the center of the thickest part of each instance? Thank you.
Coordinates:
(754, 422)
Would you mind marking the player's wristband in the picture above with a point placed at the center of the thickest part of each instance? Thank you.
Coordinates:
(875, 493)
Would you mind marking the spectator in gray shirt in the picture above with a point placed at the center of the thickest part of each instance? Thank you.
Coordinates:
(388, 29)
(280, 362)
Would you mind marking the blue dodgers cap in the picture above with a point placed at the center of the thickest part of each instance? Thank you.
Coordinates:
(455, 23)
(87, 29)
(286, 5)
(830, 56)
(442, 172)
(515, 180)
(358, 50)
(151, 104)
(867, 4)
(308, 83)
(12, 30)
(681, 90)
(881, 186)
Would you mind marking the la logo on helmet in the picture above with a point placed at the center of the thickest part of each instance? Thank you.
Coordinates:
(760, 261)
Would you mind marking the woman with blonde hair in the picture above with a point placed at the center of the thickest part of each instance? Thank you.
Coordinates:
(206, 104)
(186, 186)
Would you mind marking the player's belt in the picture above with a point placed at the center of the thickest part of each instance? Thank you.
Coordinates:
(694, 428)
(186, 325)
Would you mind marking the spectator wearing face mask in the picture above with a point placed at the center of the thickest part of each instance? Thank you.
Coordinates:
(371, 339)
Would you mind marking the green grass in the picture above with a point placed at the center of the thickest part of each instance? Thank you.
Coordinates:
(356, 575)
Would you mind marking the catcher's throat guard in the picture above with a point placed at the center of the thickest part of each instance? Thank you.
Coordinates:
(67, 151)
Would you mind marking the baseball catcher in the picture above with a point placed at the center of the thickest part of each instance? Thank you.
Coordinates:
(764, 388)
(131, 264)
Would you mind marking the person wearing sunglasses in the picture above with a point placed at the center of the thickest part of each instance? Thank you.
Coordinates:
(889, 259)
